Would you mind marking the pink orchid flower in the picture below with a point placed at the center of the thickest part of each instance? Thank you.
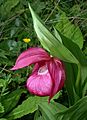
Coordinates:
(48, 75)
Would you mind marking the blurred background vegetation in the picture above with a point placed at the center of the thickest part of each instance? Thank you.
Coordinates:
(16, 24)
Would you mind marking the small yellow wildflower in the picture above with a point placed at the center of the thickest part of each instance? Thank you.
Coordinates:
(26, 40)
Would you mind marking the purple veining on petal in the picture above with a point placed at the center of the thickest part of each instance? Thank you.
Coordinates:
(40, 84)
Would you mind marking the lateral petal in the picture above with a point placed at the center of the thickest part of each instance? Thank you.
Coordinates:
(57, 72)
(31, 56)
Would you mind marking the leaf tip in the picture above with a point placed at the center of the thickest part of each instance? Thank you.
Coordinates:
(30, 8)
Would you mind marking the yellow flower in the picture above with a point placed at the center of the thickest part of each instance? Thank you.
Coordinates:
(26, 40)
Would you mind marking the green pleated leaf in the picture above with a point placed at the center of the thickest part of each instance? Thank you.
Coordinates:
(82, 67)
(10, 100)
(69, 30)
(76, 111)
(50, 42)
(84, 79)
(50, 110)
(28, 106)
(57, 35)
(70, 83)
(38, 116)
(71, 46)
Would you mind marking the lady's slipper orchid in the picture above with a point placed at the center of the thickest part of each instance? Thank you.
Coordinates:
(48, 75)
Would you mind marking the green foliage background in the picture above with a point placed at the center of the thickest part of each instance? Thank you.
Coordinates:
(69, 17)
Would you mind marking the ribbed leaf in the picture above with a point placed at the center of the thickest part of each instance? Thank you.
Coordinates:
(76, 111)
(28, 106)
(49, 110)
(70, 83)
(9, 101)
(49, 42)
(82, 67)
(69, 30)
(70, 45)
(84, 79)
(38, 116)
(57, 35)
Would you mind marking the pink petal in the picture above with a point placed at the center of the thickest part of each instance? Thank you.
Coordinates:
(39, 84)
(30, 56)
(56, 70)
